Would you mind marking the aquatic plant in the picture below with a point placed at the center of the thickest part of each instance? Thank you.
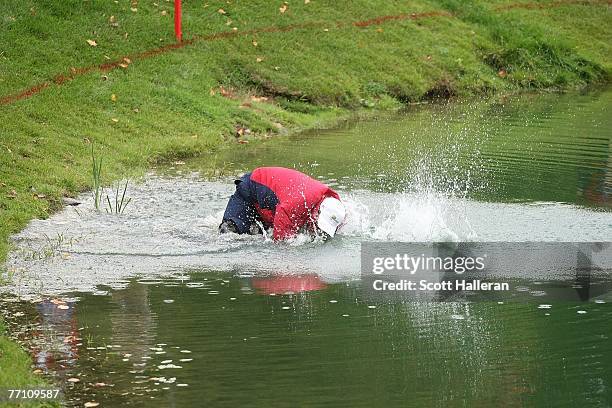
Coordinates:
(119, 203)
(6, 275)
(97, 178)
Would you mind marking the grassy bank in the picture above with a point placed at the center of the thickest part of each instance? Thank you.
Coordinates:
(15, 370)
(277, 68)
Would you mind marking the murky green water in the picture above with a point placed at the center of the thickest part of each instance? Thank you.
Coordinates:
(553, 148)
(182, 317)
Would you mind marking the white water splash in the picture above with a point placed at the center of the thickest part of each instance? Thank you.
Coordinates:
(171, 226)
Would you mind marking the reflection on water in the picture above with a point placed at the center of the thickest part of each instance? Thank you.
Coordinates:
(156, 309)
(221, 339)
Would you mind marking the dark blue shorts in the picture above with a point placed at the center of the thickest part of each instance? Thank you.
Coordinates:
(240, 208)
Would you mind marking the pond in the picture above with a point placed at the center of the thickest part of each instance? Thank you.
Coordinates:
(153, 307)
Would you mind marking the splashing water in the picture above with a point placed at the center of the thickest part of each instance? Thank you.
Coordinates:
(172, 227)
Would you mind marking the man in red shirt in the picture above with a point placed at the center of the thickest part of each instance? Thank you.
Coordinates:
(284, 199)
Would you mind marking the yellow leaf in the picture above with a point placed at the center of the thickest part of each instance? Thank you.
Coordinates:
(134, 9)
(221, 11)
(115, 120)
(92, 43)
(254, 43)
(282, 8)
(259, 59)
(114, 98)
(306, 1)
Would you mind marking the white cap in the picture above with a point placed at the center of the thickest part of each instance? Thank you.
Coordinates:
(331, 215)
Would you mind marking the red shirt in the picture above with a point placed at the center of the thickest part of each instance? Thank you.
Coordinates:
(298, 195)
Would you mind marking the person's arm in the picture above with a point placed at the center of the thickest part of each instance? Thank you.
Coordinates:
(284, 224)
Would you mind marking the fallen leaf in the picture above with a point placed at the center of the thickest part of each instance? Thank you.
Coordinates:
(502, 73)
(254, 43)
(63, 307)
(259, 59)
(91, 404)
(326, 29)
(37, 371)
(124, 66)
(134, 9)
(306, 1)
(221, 11)
(283, 8)
(127, 60)
(226, 93)
(164, 12)
(379, 30)
(92, 43)
(73, 380)
(243, 141)
(115, 120)
(241, 131)
(212, 92)
(12, 194)
(104, 77)
(114, 98)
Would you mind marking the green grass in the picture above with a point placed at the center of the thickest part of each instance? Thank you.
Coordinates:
(16, 371)
(163, 108)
